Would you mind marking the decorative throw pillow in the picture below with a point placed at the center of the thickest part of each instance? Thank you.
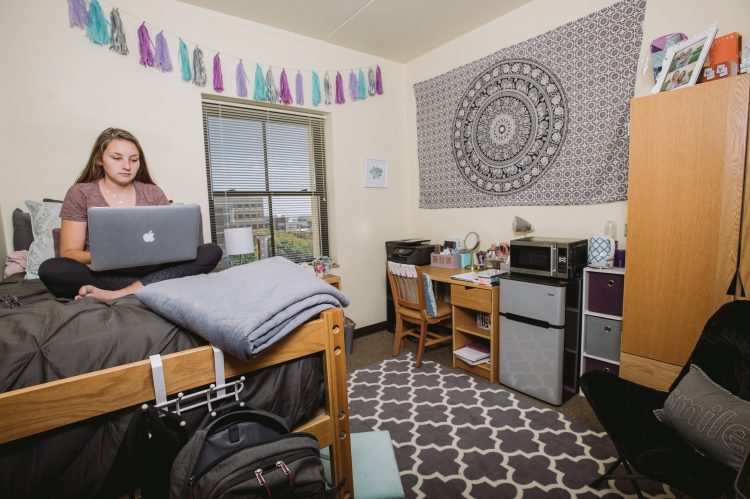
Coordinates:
(429, 296)
(45, 216)
(712, 420)
(22, 234)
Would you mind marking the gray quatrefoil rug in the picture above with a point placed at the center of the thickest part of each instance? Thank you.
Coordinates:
(456, 436)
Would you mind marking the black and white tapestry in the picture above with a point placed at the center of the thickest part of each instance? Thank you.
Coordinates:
(542, 122)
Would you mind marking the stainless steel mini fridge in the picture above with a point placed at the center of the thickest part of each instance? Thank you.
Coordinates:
(540, 336)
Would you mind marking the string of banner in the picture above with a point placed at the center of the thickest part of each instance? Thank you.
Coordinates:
(155, 54)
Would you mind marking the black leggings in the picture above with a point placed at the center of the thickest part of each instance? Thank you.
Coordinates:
(65, 276)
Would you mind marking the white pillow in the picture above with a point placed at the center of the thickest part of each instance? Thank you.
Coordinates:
(45, 216)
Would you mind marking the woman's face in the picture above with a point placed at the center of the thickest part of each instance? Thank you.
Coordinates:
(121, 161)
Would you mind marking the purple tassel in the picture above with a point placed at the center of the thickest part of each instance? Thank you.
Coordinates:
(353, 86)
(298, 88)
(339, 89)
(144, 46)
(162, 61)
(218, 80)
(241, 80)
(79, 16)
(378, 81)
(284, 93)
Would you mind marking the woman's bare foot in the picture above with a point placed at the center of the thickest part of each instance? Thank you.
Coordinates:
(106, 294)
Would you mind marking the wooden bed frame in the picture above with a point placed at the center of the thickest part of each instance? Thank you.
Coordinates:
(58, 403)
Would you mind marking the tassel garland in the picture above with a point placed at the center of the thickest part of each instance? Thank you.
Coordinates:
(144, 47)
(339, 89)
(77, 14)
(199, 68)
(260, 92)
(285, 93)
(273, 92)
(327, 88)
(370, 82)
(96, 29)
(298, 90)
(241, 79)
(185, 62)
(162, 60)
(362, 89)
(316, 89)
(353, 88)
(118, 43)
(378, 81)
(218, 79)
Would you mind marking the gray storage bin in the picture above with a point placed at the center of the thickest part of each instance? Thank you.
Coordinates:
(603, 338)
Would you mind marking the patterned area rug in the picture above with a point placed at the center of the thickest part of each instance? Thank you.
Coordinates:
(456, 436)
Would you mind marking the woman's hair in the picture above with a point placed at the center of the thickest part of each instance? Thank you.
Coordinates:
(94, 169)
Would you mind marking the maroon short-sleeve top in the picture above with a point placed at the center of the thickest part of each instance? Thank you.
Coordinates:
(85, 195)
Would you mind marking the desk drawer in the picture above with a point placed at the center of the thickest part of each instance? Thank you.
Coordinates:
(473, 298)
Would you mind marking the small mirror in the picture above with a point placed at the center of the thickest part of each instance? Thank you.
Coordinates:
(471, 245)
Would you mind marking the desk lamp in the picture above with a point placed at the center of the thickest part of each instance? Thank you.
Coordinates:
(238, 241)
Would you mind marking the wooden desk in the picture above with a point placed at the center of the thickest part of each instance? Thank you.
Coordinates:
(467, 299)
(333, 280)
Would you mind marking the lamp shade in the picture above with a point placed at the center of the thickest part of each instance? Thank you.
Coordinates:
(239, 241)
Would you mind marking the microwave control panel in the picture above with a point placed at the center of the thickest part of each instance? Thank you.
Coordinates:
(562, 260)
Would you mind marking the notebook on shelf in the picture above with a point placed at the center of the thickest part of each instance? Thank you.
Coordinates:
(138, 236)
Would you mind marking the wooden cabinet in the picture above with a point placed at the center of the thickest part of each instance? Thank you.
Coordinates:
(468, 302)
(602, 319)
(688, 157)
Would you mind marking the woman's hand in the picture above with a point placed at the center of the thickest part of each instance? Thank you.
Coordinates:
(73, 240)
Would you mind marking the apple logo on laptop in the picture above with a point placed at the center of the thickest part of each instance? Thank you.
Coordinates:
(149, 236)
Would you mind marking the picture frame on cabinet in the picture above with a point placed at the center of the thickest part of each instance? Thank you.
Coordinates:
(683, 61)
(376, 173)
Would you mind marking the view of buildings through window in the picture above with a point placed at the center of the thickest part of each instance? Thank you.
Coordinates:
(266, 171)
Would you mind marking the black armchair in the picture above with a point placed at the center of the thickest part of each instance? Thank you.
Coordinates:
(649, 449)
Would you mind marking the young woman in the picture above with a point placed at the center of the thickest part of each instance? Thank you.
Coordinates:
(116, 175)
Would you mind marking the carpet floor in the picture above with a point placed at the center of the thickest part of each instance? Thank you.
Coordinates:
(455, 435)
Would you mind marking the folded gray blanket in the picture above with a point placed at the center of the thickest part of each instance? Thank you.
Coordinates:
(244, 309)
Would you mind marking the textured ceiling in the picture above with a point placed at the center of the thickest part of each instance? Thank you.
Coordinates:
(399, 30)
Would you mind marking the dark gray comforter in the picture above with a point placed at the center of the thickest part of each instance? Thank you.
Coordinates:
(45, 339)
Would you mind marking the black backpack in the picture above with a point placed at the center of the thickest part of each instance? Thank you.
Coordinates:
(248, 453)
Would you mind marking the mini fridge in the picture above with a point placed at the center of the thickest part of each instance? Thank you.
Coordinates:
(540, 324)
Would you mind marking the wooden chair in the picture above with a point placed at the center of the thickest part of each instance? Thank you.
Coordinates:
(409, 302)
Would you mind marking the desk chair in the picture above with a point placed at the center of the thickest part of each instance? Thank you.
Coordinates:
(410, 302)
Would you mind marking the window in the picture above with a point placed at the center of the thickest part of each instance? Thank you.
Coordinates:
(266, 170)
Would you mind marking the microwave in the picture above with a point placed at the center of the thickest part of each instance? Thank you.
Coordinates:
(559, 258)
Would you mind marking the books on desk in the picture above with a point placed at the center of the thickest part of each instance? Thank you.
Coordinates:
(487, 277)
(473, 354)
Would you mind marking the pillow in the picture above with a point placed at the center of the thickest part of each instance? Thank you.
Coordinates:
(712, 420)
(429, 296)
(22, 234)
(45, 216)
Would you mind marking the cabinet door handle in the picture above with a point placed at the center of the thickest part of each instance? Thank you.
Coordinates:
(607, 329)
(610, 283)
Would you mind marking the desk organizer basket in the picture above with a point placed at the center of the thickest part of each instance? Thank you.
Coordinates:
(447, 261)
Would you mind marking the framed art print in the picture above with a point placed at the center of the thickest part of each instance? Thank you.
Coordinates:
(376, 173)
(683, 61)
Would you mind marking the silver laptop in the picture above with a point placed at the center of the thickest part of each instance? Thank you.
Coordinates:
(137, 236)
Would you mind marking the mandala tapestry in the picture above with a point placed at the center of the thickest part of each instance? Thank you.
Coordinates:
(542, 122)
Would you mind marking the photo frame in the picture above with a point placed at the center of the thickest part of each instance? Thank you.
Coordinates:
(683, 62)
(376, 173)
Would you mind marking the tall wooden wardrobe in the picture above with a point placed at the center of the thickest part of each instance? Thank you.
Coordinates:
(688, 233)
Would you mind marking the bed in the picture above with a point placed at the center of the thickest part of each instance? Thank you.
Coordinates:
(64, 424)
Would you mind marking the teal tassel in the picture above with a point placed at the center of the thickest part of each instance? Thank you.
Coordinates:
(316, 89)
(260, 92)
(97, 30)
(362, 87)
(185, 62)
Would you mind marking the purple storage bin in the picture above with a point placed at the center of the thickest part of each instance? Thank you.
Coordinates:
(605, 293)
(600, 365)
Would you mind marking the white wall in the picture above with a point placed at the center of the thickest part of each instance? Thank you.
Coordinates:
(59, 91)
(494, 224)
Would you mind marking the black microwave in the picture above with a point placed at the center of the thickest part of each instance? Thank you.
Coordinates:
(560, 258)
